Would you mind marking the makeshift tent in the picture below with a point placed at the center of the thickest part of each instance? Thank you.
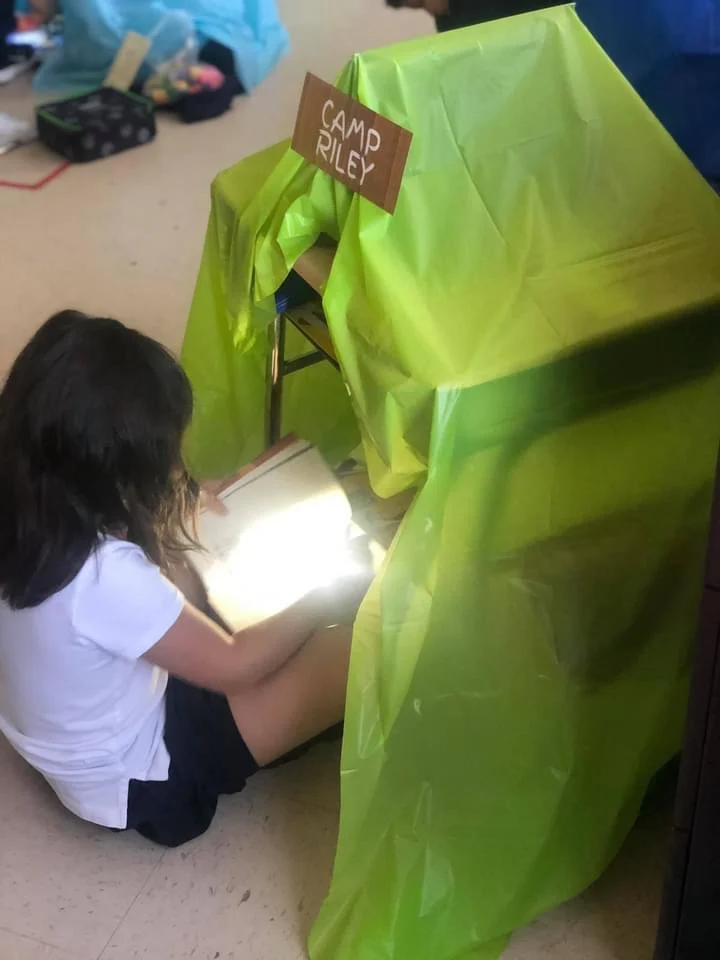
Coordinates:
(527, 341)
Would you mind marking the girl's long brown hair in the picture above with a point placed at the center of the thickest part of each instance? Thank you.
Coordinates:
(92, 418)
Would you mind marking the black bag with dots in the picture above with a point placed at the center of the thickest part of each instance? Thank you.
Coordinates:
(96, 125)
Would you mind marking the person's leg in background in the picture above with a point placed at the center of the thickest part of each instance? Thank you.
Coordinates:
(454, 14)
(466, 13)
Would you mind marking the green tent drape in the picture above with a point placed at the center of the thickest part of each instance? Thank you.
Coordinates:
(528, 341)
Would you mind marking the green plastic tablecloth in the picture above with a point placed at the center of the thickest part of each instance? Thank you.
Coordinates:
(525, 341)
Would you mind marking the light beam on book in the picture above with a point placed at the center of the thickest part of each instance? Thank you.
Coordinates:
(287, 531)
(281, 558)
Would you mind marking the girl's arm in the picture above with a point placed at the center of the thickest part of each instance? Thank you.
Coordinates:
(197, 650)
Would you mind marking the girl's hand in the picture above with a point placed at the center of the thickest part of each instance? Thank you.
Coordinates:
(209, 499)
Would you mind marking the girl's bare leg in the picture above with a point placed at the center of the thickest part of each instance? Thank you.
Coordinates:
(302, 700)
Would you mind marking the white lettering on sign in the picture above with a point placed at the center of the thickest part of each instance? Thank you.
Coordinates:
(360, 148)
(329, 105)
(332, 144)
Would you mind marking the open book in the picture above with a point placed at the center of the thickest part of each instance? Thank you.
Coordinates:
(287, 531)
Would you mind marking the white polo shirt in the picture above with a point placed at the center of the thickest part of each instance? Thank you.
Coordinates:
(76, 700)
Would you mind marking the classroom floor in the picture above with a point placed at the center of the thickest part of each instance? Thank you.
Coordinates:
(250, 888)
(124, 237)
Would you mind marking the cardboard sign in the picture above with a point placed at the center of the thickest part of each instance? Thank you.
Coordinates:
(127, 62)
(365, 151)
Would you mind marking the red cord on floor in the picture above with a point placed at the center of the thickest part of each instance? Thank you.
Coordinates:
(39, 184)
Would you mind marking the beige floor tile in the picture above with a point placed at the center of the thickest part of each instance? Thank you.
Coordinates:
(13, 947)
(248, 890)
(64, 882)
(313, 779)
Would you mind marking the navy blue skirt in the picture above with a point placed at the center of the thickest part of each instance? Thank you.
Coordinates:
(208, 758)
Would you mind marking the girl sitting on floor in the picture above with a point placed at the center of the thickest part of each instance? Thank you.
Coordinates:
(136, 707)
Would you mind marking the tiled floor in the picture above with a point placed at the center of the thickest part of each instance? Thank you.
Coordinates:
(249, 889)
(124, 237)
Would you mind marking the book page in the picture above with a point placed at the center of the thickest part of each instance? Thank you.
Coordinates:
(286, 532)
